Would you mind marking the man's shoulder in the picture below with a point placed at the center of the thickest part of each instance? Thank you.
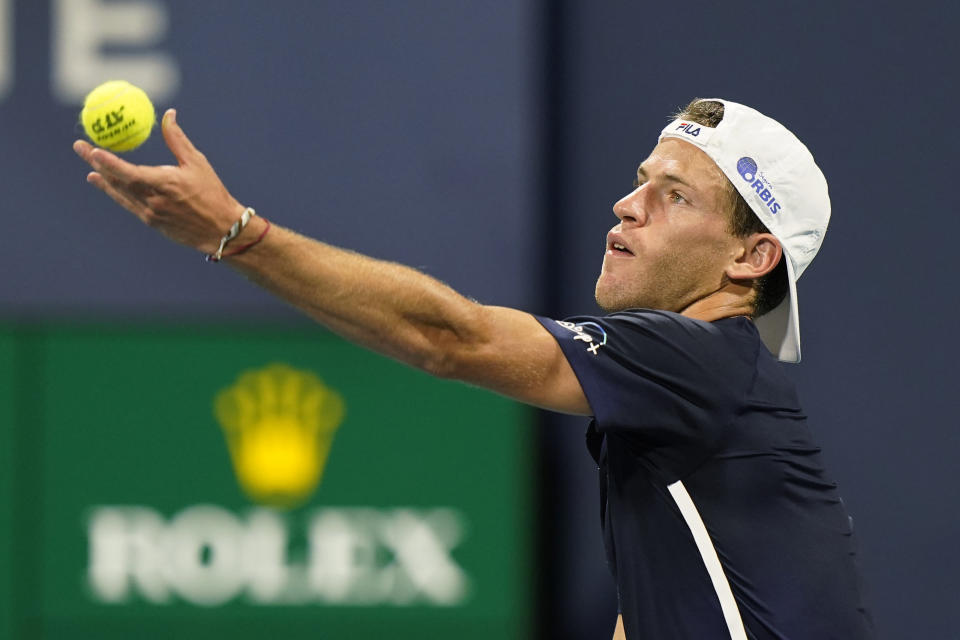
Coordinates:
(665, 325)
(661, 341)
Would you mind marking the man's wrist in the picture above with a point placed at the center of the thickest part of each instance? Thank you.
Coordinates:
(251, 236)
(235, 240)
(249, 233)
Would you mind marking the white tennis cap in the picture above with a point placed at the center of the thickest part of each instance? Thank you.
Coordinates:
(777, 176)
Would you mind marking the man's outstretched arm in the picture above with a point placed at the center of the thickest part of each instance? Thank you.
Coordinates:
(384, 306)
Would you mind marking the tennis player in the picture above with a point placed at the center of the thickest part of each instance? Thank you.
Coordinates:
(718, 518)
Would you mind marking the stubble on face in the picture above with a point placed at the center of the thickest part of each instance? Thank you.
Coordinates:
(679, 251)
(671, 282)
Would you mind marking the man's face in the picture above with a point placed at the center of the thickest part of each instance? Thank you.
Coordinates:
(672, 244)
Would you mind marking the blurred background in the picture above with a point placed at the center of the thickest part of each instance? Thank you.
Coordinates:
(182, 455)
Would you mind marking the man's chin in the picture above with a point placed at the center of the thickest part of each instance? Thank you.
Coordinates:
(611, 303)
(606, 306)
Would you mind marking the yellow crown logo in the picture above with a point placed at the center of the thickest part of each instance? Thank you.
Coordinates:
(279, 424)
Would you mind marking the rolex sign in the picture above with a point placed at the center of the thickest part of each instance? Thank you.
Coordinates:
(223, 483)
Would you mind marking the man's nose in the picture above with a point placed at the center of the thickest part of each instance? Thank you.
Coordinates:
(630, 208)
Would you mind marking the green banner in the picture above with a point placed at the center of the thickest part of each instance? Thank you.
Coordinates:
(7, 478)
(230, 483)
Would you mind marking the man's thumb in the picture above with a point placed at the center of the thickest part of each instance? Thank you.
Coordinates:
(176, 139)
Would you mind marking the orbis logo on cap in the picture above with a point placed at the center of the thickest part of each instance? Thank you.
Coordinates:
(749, 171)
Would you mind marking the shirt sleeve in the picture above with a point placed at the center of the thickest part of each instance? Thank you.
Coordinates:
(657, 378)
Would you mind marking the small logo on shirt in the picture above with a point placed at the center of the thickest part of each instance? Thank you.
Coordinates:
(594, 341)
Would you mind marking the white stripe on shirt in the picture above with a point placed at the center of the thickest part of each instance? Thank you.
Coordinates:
(731, 613)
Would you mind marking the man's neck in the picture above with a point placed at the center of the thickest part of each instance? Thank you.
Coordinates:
(732, 299)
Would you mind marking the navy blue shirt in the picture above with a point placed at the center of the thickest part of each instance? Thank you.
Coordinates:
(718, 518)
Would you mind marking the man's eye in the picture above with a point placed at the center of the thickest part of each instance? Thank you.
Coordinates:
(676, 198)
(636, 183)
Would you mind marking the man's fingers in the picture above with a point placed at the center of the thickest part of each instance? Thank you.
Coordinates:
(178, 142)
(83, 149)
(109, 164)
(120, 196)
(139, 177)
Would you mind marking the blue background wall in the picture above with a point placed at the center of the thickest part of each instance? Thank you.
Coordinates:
(485, 143)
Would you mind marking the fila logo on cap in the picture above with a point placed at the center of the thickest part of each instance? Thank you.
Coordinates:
(689, 128)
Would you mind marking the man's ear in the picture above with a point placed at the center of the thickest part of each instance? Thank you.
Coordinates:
(761, 253)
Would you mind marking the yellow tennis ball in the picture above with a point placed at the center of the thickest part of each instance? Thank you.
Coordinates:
(118, 116)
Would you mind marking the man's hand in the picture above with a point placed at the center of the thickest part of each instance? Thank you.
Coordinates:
(187, 202)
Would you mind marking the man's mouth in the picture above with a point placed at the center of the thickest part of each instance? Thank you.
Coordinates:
(615, 247)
